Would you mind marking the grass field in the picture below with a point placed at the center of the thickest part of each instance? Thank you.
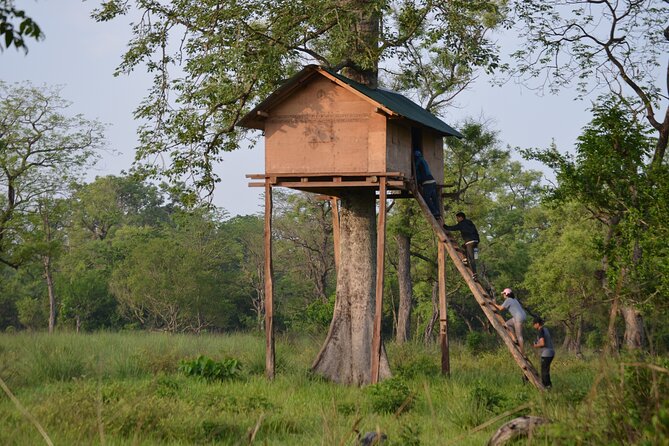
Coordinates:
(128, 389)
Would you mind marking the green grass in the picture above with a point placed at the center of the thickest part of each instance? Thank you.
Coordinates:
(126, 389)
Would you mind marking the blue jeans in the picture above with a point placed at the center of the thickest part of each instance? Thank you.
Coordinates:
(429, 192)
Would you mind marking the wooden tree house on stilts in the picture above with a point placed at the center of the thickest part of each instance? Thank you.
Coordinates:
(329, 135)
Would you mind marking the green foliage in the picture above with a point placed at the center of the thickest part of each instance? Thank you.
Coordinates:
(611, 176)
(409, 436)
(629, 407)
(130, 384)
(478, 342)
(563, 32)
(418, 365)
(31, 312)
(315, 317)
(486, 398)
(210, 370)
(480, 403)
(42, 149)
(390, 395)
(231, 60)
(16, 26)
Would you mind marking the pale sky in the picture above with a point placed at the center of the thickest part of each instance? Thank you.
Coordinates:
(81, 55)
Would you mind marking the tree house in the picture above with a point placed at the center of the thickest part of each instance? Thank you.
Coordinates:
(325, 133)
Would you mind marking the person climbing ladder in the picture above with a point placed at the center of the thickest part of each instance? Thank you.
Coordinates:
(518, 315)
(427, 184)
(470, 237)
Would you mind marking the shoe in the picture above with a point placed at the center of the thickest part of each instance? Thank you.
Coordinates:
(465, 261)
(475, 277)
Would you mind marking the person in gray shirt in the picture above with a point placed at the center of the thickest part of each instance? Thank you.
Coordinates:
(518, 315)
(547, 352)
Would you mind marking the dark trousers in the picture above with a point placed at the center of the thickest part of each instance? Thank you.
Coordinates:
(469, 250)
(546, 371)
(429, 192)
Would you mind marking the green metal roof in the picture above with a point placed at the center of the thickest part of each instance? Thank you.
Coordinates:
(401, 105)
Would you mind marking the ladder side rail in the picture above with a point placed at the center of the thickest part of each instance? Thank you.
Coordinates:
(496, 319)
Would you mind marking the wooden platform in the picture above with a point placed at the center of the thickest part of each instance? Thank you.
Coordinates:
(332, 184)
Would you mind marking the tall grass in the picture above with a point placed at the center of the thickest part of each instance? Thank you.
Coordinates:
(126, 389)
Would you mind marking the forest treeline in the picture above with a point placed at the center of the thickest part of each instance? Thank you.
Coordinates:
(587, 251)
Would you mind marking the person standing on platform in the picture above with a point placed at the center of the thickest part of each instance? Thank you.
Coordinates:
(545, 344)
(518, 315)
(470, 237)
(427, 184)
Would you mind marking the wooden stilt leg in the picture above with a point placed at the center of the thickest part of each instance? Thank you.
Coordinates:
(380, 263)
(269, 292)
(443, 315)
(334, 205)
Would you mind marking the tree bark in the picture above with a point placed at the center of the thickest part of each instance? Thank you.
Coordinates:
(634, 332)
(405, 288)
(347, 352)
(611, 335)
(518, 427)
(573, 333)
(428, 337)
(50, 290)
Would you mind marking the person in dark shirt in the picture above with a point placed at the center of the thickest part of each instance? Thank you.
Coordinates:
(470, 237)
(545, 343)
(427, 184)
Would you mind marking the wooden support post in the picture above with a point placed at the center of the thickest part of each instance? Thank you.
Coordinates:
(443, 306)
(443, 315)
(334, 206)
(269, 292)
(380, 263)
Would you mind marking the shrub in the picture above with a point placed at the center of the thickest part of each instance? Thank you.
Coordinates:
(477, 342)
(389, 395)
(315, 317)
(486, 398)
(419, 365)
(594, 340)
(210, 370)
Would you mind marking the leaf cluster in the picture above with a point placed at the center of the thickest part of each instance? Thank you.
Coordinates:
(10, 33)
(210, 370)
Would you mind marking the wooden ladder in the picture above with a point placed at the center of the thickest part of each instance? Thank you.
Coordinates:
(480, 294)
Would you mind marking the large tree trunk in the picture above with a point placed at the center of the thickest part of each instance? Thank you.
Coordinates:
(405, 285)
(346, 356)
(573, 334)
(634, 332)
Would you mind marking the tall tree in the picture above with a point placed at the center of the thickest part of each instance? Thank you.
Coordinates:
(236, 53)
(41, 151)
(305, 222)
(609, 175)
(562, 277)
(175, 278)
(617, 45)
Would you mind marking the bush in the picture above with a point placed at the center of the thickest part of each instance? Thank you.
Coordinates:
(210, 370)
(486, 398)
(477, 342)
(418, 365)
(594, 340)
(315, 317)
(390, 395)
